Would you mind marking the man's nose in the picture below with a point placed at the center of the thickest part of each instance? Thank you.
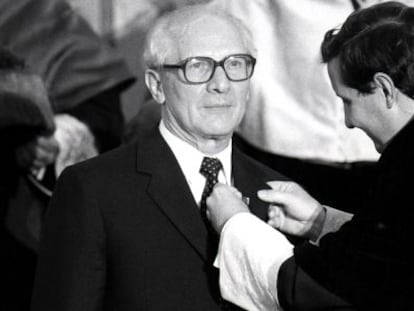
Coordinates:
(219, 82)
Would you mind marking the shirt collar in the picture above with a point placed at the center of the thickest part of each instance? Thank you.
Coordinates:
(189, 158)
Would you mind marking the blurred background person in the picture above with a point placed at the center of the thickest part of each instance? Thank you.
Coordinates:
(25, 112)
(81, 78)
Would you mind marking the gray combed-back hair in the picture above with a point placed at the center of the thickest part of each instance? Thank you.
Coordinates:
(169, 28)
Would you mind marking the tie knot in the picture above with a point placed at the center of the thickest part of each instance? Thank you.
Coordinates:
(210, 167)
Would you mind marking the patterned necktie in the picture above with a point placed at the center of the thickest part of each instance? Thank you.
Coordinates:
(210, 168)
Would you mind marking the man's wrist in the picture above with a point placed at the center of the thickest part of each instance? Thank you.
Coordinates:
(317, 225)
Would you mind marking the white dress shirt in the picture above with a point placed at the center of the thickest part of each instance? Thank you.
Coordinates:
(190, 159)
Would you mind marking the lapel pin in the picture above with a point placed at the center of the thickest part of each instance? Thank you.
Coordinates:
(246, 200)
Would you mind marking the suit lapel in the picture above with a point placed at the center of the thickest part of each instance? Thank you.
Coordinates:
(170, 191)
(248, 179)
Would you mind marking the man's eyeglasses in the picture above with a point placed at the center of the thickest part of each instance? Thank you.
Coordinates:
(200, 69)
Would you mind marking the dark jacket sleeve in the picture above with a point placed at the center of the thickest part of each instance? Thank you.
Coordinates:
(298, 291)
(71, 269)
(368, 261)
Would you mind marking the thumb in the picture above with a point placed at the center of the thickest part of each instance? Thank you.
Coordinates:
(235, 192)
(275, 196)
(276, 217)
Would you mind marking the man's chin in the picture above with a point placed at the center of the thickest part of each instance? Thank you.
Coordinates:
(219, 134)
(220, 126)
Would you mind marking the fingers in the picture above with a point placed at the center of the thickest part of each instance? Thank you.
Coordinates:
(208, 214)
(24, 157)
(284, 186)
(282, 192)
(48, 144)
(277, 217)
(274, 196)
(223, 189)
(223, 203)
(37, 153)
(236, 192)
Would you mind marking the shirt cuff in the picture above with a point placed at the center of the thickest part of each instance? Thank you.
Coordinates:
(333, 221)
(249, 257)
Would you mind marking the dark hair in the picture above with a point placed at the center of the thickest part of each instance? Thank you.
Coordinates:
(9, 61)
(379, 38)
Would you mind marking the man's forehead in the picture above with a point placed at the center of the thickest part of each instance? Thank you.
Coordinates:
(210, 36)
(205, 25)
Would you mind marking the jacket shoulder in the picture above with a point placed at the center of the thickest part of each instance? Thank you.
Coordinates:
(111, 163)
(256, 168)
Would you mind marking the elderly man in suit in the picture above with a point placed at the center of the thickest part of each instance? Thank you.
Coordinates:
(127, 230)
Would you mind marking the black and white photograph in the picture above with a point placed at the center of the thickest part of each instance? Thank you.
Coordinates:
(206, 155)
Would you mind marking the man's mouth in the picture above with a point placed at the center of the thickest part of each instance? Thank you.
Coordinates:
(218, 105)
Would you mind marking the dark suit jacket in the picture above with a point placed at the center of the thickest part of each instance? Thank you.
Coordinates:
(369, 261)
(123, 232)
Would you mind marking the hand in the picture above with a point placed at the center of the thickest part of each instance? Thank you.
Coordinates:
(223, 203)
(292, 209)
(37, 153)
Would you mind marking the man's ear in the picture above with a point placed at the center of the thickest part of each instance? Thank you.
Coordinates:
(385, 83)
(153, 82)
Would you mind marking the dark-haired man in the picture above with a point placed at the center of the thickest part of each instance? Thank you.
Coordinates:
(353, 262)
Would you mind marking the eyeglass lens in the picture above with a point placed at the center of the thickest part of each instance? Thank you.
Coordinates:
(201, 69)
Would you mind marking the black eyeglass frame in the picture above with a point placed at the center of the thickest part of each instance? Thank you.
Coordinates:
(182, 65)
